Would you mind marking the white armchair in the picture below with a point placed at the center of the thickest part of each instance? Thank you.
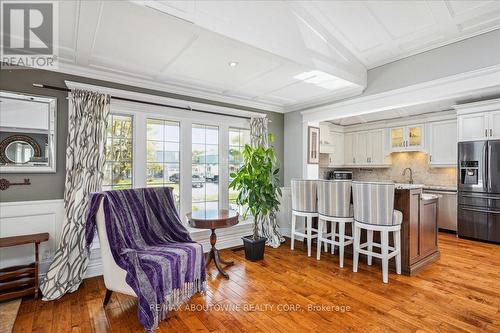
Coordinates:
(114, 275)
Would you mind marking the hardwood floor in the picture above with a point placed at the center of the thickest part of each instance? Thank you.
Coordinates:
(460, 292)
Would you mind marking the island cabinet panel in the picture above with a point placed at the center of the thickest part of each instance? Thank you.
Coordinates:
(418, 231)
(415, 227)
(428, 227)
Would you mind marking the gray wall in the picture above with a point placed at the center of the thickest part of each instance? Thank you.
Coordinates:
(293, 146)
(51, 186)
(467, 55)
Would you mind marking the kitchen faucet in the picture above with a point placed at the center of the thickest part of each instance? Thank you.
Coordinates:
(411, 174)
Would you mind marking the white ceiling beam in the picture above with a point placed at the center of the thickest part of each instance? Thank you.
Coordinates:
(427, 92)
(347, 66)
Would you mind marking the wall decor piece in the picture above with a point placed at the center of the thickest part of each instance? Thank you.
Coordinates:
(19, 149)
(312, 145)
(5, 184)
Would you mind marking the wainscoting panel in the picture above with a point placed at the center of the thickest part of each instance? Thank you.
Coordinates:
(30, 217)
(18, 218)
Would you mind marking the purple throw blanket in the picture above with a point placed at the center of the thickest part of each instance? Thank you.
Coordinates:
(164, 266)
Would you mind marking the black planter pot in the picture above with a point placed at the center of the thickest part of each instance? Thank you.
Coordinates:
(254, 249)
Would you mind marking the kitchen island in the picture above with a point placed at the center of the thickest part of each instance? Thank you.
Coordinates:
(419, 230)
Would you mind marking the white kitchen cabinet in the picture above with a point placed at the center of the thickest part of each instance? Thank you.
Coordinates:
(349, 146)
(376, 153)
(336, 158)
(364, 148)
(325, 140)
(443, 143)
(407, 138)
(324, 135)
(361, 148)
(473, 126)
(494, 125)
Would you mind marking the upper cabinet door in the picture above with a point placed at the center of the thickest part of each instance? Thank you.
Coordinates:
(361, 151)
(443, 143)
(398, 140)
(349, 149)
(324, 135)
(337, 158)
(415, 139)
(494, 125)
(473, 127)
(376, 147)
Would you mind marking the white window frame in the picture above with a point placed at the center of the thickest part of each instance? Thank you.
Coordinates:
(134, 145)
(227, 168)
(141, 112)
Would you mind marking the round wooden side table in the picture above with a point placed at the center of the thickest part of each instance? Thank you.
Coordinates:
(214, 219)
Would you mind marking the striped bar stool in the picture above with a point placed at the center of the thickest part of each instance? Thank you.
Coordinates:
(304, 204)
(374, 211)
(334, 206)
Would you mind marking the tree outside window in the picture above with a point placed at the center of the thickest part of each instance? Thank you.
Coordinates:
(118, 169)
(238, 138)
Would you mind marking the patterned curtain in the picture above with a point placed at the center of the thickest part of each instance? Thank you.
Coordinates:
(269, 226)
(85, 157)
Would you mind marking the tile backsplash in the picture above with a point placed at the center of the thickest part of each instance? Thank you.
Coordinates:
(417, 161)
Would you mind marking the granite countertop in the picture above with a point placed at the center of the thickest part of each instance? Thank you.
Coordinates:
(440, 188)
(405, 186)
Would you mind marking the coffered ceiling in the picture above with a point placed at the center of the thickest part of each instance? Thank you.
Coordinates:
(275, 55)
(379, 32)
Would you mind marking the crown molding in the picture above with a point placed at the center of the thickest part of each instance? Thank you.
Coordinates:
(488, 105)
(164, 87)
(161, 99)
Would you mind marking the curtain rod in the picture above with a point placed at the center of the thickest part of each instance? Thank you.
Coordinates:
(45, 86)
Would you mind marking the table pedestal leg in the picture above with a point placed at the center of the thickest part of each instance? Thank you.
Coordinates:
(214, 254)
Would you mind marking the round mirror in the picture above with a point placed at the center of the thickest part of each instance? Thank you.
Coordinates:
(19, 152)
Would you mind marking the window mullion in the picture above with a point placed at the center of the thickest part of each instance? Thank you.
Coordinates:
(139, 154)
(185, 168)
(223, 166)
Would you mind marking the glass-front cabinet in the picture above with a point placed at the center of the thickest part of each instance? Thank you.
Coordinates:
(415, 136)
(397, 138)
(407, 138)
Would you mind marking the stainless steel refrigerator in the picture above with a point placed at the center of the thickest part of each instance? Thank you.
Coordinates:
(479, 190)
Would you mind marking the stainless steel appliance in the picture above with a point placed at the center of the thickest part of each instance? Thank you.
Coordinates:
(340, 175)
(447, 209)
(479, 190)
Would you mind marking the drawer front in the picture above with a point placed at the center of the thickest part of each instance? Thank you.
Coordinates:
(478, 199)
(472, 222)
(494, 226)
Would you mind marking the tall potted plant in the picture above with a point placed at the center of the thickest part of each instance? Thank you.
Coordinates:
(257, 181)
